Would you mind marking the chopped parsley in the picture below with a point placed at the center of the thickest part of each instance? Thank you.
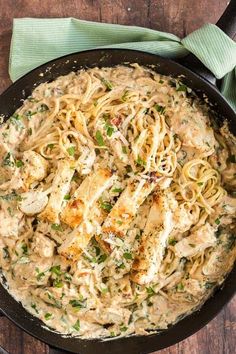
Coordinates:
(99, 138)
(8, 160)
(29, 114)
(11, 196)
(67, 197)
(127, 255)
(77, 325)
(150, 291)
(182, 87)
(71, 150)
(141, 162)
(40, 275)
(123, 328)
(217, 221)
(78, 304)
(172, 241)
(107, 83)
(30, 131)
(24, 248)
(35, 308)
(48, 316)
(200, 184)
(58, 283)
(19, 163)
(124, 96)
(56, 270)
(50, 146)
(180, 287)
(56, 227)
(43, 108)
(32, 99)
(161, 81)
(119, 222)
(124, 149)
(159, 108)
(105, 206)
(117, 190)
(16, 120)
(109, 129)
(209, 285)
(102, 258)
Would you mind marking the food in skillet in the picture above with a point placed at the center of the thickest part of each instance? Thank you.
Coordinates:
(117, 208)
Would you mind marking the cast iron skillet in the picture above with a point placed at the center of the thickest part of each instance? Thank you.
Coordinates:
(198, 79)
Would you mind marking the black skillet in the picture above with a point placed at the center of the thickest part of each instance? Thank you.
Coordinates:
(202, 82)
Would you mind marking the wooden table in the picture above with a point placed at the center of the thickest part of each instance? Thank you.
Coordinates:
(177, 16)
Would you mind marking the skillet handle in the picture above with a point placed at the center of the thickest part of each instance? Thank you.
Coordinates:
(227, 23)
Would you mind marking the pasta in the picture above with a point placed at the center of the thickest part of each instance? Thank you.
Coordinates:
(117, 202)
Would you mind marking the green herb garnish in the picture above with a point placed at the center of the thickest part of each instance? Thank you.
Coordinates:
(141, 162)
(58, 283)
(19, 163)
(182, 87)
(102, 258)
(209, 285)
(56, 227)
(29, 114)
(106, 205)
(124, 96)
(172, 241)
(217, 221)
(56, 270)
(43, 108)
(16, 120)
(124, 149)
(47, 316)
(107, 83)
(71, 150)
(67, 197)
(127, 255)
(159, 108)
(123, 328)
(24, 248)
(8, 160)
(117, 190)
(78, 304)
(99, 138)
(35, 308)
(180, 287)
(109, 129)
(77, 325)
(150, 291)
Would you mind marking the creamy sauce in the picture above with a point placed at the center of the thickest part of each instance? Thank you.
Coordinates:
(117, 202)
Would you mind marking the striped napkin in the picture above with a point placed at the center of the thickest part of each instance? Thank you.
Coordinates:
(36, 41)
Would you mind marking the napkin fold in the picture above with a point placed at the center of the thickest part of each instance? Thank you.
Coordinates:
(36, 41)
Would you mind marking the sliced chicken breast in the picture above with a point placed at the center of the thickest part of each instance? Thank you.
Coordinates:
(85, 196)
(79, 238)
(154, 239)
(60, 187)
(124, 211)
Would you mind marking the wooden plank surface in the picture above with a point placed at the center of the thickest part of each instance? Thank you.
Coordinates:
(177, 16)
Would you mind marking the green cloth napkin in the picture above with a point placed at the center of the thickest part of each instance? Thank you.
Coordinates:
(36, 41)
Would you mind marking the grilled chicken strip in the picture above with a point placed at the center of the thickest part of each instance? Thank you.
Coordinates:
(151, 250)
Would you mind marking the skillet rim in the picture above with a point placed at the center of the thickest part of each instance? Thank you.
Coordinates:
(153, 341)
